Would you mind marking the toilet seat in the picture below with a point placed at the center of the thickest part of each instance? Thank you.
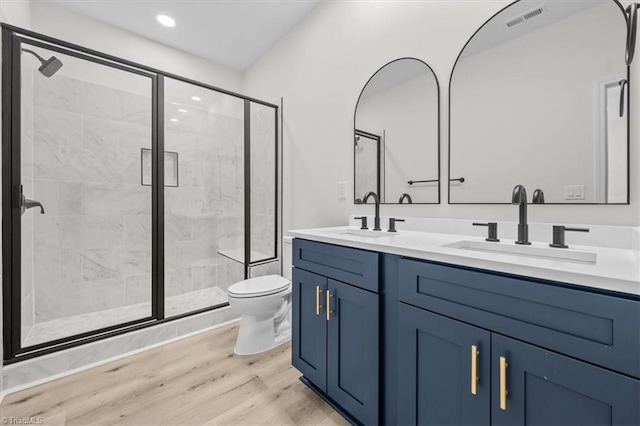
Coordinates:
(260, 286)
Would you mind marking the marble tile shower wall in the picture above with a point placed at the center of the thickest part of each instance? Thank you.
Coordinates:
(93, 245)
(205, 213)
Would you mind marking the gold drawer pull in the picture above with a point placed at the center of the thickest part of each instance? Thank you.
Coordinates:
(503, 383)
(318, 305)
(474, 369)
(329, 311)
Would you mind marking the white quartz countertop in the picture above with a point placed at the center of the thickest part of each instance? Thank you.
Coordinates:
(615, 269)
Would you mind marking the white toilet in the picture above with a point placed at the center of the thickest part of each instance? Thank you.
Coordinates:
(264, 305)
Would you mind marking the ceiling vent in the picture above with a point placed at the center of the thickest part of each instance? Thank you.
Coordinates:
(530, 14)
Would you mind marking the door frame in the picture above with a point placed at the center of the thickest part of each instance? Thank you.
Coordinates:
(601, 135)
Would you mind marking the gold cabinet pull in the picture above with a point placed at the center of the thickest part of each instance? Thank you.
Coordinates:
(503, 383)
(329, 311)
(474, 369)
(318, 305)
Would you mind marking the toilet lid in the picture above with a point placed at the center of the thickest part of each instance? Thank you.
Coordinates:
(260, 286)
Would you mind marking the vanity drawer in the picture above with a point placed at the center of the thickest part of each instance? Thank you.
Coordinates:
(351, 266)
(601, 329)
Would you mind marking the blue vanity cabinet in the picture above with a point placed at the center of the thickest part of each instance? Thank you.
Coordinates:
(546, 388)
(352, 351)
(602, 329)
(387, 339)
(443, 370)
(336, 326)
(309, 327)
(558, 355)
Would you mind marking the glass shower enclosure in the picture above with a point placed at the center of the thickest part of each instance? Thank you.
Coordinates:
(130, 195)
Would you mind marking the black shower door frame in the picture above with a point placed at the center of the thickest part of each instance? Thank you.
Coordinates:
(12, 39)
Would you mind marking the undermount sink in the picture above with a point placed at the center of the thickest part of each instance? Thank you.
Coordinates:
(361, 233)
(565, 255)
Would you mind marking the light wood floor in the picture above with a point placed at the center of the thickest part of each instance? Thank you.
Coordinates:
(196, 381)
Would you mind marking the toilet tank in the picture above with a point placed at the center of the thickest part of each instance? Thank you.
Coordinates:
(287, 253)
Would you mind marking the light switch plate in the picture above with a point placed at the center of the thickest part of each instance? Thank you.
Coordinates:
(574, 192)
(568, 192)
(342, 190)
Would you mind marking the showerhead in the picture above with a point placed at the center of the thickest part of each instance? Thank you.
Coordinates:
(49, 66)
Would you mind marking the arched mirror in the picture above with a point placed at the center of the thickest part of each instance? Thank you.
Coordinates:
(538, 97)
(396, 136)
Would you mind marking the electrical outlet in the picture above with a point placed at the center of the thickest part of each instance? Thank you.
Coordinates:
(342, 190)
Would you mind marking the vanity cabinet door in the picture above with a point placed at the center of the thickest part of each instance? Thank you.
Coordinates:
(352, 351)
(546, 388)
(309, 338)
(435, 370)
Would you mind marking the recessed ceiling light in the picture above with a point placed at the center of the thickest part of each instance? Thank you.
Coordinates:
(195, 98)
(165, 20)
(173, 119)
(183, 110)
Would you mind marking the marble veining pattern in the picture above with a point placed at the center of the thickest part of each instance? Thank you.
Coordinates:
(86, 172)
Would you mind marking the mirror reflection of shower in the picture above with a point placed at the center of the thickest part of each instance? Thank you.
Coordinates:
(49, 66)
(359, 147)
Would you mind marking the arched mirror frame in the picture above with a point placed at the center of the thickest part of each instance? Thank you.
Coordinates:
(438, 138)
(629, 114)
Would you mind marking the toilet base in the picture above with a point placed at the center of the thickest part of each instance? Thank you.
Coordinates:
(257, 335)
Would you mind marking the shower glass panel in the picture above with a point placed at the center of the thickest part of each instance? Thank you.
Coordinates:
(263, 183)
(204, 196)
(86, 256)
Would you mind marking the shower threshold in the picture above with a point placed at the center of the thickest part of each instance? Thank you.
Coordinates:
(69, 326)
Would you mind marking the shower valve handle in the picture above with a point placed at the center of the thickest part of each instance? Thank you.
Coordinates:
(25, 204)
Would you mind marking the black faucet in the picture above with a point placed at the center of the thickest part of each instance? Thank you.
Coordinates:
(538, 196)
(376, 221)
(520, 197)
(407, 197)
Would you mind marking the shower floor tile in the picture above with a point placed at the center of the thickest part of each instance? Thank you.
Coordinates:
(77, 324)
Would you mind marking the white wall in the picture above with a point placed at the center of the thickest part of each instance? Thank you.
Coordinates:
(69, 26)
(16, 12)
(532, 100)
(320, 73)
